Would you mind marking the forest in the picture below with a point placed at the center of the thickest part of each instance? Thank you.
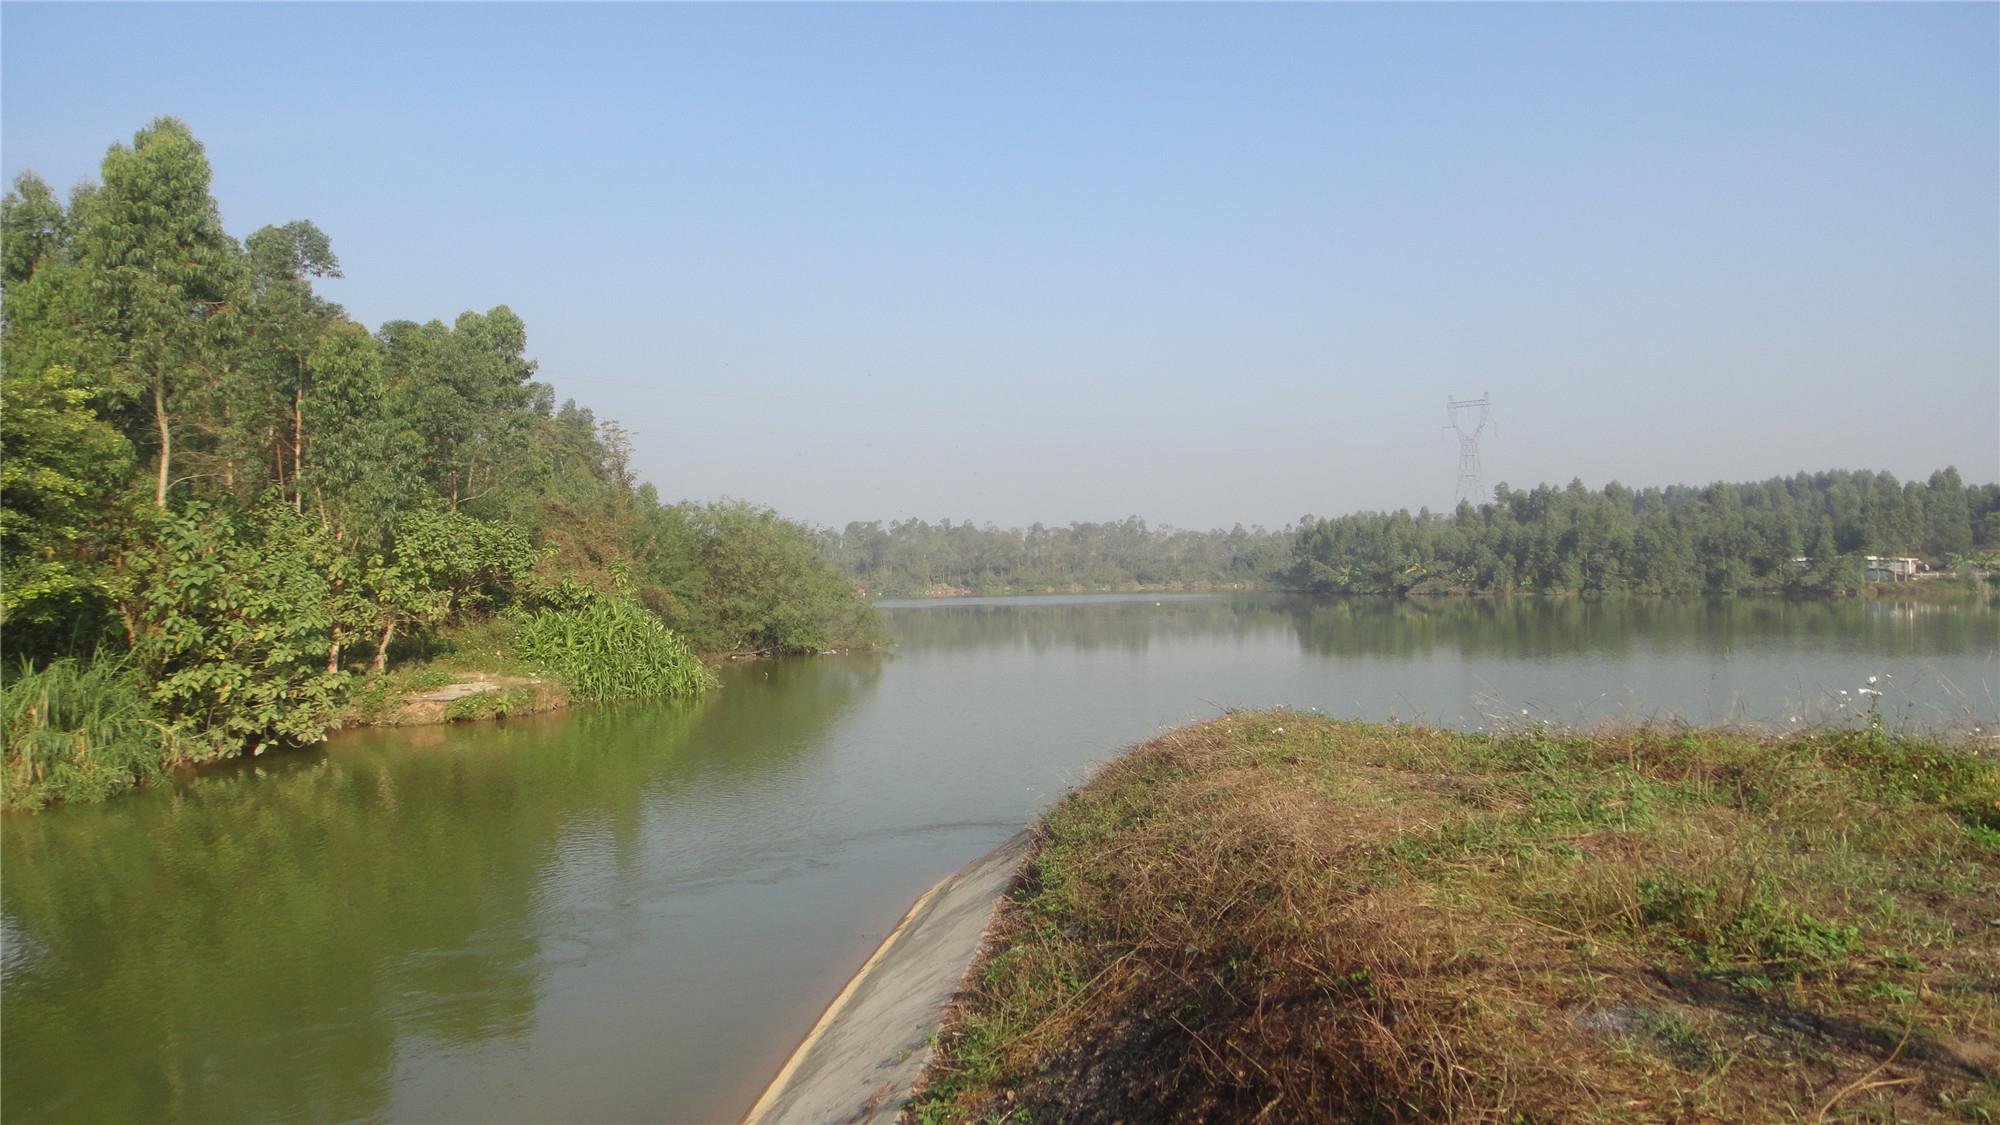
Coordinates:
(223, 502)
(914, 557)
(1805, 534)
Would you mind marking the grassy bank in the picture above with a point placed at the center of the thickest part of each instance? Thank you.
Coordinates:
(1965, 588)
(1278, 917)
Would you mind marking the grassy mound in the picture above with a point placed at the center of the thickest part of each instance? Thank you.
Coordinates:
(1277, 917)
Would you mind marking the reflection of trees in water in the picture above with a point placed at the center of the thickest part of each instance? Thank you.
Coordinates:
(770, 711)
(1533, 628)
(1526, 628)
(253, 944)
(1121, 626)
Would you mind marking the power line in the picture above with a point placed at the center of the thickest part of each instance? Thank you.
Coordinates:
(1458, 412)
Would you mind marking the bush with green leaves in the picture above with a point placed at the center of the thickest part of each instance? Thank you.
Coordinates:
(229, 624)
(734, 577)
(611, 648)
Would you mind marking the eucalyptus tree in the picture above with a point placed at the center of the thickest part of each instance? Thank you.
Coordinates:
(161, 277)
(462, 396)
(285, 321)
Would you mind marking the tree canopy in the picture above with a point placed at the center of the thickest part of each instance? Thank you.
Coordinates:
(1808, 533)
(211, 473)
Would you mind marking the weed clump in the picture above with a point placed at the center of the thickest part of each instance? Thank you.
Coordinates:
(1279, 917)
(79, 731)
(611, 648)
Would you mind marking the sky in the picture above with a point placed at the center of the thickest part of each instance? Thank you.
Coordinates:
(1205, 264)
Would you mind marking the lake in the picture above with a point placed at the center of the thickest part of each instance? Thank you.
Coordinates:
(633, 912)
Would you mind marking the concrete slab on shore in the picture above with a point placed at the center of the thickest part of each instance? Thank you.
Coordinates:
(859, 1062)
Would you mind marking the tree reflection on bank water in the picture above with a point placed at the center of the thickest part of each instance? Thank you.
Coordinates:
(1545, 627)
(271, 940)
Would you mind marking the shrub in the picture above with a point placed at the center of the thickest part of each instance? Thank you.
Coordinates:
(733, 577)
(611, 648)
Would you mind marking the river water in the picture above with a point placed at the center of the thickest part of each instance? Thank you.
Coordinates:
(633, 912)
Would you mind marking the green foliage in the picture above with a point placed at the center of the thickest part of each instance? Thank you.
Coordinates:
(465, 396)
(60, 469)
(79, 731)
(913, 557)
(204, 461)
(1803, 534)
(441, 563)
(232, 628)
(734, 577)
(33, 228)
(1714, 923)
(489, 704)
(161, 278)
(611, 648)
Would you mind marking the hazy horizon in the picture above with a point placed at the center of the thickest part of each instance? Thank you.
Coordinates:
(1201, 264)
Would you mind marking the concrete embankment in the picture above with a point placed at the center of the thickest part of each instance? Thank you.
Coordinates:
(861, 1059)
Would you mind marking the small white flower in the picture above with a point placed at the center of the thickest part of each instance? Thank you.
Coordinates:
(1871, 679)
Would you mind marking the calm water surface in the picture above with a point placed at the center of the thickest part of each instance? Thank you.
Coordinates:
(632, 913)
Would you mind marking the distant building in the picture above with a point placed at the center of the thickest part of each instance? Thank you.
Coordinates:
(1882, 569)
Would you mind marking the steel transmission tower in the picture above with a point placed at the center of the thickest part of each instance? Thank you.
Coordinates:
(1467, 417)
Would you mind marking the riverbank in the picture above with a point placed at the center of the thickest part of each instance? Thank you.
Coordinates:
(945, 591)
(427, 696)
(1276, 916)
(861, 1059)
(1962, 588)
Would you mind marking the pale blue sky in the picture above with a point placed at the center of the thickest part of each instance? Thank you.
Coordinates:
(1199, 263)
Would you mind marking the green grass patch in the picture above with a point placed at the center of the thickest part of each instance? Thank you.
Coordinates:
(76, 730)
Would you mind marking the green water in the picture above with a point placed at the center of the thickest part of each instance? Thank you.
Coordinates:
(630, 913)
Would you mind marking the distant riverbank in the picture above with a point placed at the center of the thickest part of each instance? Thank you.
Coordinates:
(1956, 587)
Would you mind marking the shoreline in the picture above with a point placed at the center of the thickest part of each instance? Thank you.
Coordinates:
(468, 697)
(862, 1058)
(1942, 588)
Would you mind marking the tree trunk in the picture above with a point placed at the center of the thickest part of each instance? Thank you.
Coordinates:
(166, 437)
(333, 658)
(382, 650)
(298, 439)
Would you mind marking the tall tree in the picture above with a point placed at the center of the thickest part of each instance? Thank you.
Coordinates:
(160, 273)
(285, 320)
(463, 394)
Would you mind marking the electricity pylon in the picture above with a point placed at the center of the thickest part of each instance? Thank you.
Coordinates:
(1457, 412)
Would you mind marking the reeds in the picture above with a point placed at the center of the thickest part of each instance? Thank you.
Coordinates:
(612, 648)
(78, 731)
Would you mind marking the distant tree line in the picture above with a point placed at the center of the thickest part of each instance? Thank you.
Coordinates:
(216, 480)
(915, 557)
(1808, 533)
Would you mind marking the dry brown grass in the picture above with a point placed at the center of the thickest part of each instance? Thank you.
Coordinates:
(1276, 917)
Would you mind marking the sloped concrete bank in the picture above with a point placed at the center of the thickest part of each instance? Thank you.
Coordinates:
(859, 1062)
